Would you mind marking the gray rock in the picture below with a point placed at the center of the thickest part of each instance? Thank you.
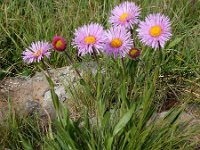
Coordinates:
(32, 95)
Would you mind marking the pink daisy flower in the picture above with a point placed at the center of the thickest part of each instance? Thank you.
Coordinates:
(36, 52)
(155, 30)
(59, 43)
(126, 15)
(118, 42)
(89, 38)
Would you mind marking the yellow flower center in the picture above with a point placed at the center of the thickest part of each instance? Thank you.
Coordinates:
(59, 43)
(38, 53)
(133, 52)
(90, 40)
(116, 43)
(123, 17)
(155, 31)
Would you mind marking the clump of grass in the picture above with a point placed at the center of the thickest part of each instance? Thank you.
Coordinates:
(16, 131)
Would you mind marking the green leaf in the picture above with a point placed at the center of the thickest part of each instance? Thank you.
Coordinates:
(175, 42)
(2, 74)
(109, 142)
(124, 120)
(54, 96)
(27, 72)
(82, 82)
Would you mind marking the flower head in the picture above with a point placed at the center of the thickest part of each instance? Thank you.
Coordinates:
(89, 38)
(134, 53)
(155, 30)
(118, 42)
(36, 52)
(59, 43)
(126, 14)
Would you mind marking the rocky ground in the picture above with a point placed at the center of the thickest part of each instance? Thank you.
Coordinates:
(29, 95)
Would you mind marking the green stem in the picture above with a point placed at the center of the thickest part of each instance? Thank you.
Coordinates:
(95, 56)
(158, 65)
(160, 54)
(78, 73)
(46, 68)
(71, 62)
(124, 85)
(132, 33)
(123, 66)
(54, 96)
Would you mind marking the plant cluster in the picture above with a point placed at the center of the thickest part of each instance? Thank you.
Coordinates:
(122, 95)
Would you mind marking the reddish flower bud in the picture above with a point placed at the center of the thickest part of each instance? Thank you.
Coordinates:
(134, 53)
(59, 43)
